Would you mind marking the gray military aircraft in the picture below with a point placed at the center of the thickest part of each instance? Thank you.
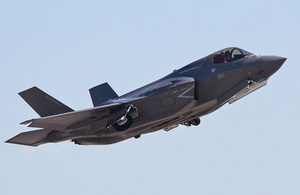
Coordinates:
(179, 98)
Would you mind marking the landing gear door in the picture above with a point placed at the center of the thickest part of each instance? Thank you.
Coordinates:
(249, 89)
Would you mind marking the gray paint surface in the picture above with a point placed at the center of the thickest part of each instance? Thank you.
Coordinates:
(179, 98)
(66, 47)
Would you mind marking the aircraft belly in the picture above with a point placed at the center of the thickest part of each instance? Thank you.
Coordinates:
(193, 110)
(145, 123)
(100, 140)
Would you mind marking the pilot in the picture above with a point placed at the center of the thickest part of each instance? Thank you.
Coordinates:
(227, 56)
(219, 58)
(223, 57)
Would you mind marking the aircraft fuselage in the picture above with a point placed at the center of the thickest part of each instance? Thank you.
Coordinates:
(179, 98)
(212, 82)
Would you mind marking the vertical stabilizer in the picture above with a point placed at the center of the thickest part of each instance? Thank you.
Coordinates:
(43, 103)
(102, 93)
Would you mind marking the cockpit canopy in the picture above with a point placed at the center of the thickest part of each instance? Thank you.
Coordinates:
(228, 55)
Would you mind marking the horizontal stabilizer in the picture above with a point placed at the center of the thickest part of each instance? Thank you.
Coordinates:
(102, 93)
(31, 138)
(43, 103)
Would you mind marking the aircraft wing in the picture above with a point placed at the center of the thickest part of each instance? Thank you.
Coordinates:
(101, 116)
(177, 92)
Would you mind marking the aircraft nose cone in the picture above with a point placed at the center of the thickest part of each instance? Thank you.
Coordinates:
(271, 63)
(276, 60)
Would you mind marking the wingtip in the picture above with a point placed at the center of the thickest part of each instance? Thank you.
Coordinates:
(26, 122)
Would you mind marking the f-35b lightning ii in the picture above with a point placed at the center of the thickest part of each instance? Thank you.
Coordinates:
(179, 98)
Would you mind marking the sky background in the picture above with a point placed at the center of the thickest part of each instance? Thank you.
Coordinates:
(66, 47)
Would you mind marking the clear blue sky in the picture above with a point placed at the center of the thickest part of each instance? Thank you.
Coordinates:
(66, 47)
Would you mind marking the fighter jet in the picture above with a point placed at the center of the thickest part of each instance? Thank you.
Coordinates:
(179, 98)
